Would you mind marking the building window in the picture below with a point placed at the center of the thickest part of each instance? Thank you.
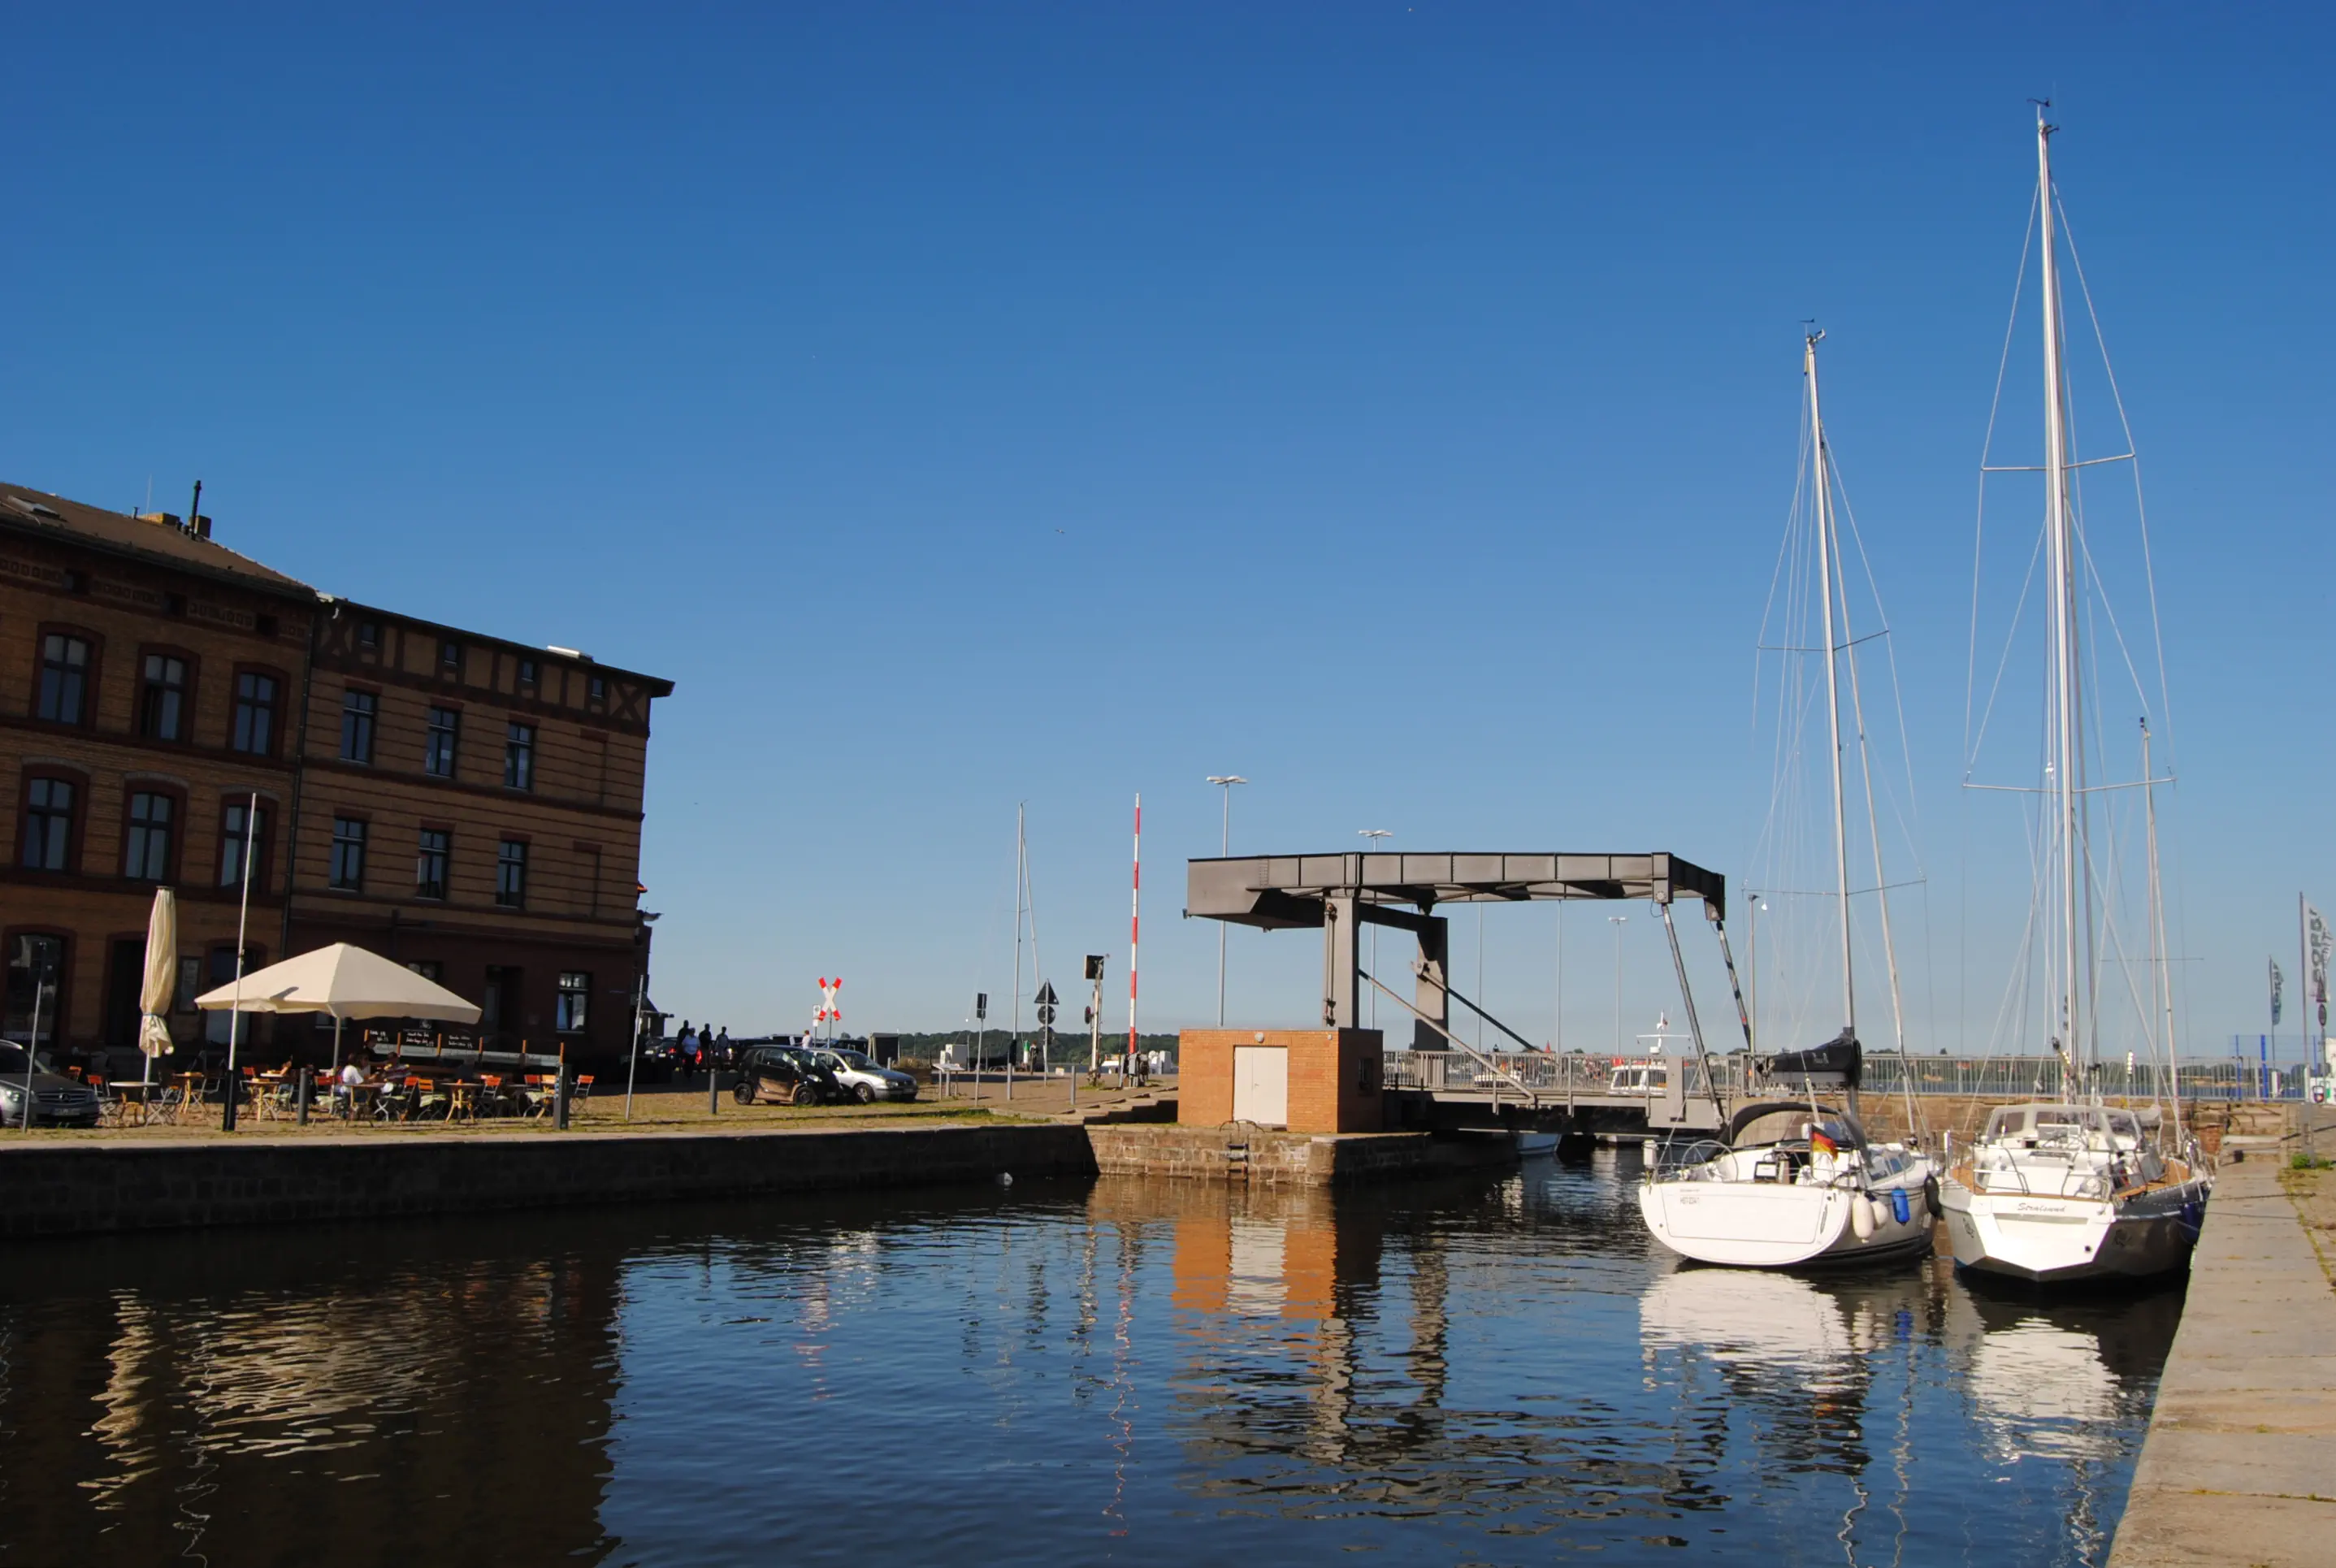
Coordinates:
(599, 687)
(146, 850)
(511, 875)
(499, 1008)
(349, 854)
(64, 678)
(575, 997)
(519, 757)
(528, 672)
(240, 824)
(368, 635)
(255, 713)
(357, 711)
(438, 746)
(190, 986)
(450, 656)
(162, 697)
(35, 959)
(48, 824)
(430, 864)
(431, 969)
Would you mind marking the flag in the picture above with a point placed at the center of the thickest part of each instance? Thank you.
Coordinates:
(1821, 1145)
(2316, 924)
(2275, 987)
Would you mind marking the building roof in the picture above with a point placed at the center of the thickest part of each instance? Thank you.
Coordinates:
(27, 511)
(37, 512)
(656, 685)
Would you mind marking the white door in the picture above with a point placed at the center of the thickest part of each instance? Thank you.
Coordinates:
(1262, 1085)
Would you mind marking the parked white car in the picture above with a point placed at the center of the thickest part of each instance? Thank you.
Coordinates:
(866, 1080)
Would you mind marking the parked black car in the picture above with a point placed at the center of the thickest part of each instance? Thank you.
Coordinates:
(785, 1074)
(55, 1097)
(660, 1061)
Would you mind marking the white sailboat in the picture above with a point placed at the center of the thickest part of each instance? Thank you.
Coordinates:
(1790, 1183)
(2074, 1189)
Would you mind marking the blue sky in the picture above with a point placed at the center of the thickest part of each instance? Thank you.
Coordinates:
(1395, 404)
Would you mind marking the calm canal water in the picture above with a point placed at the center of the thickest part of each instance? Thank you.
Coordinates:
(1499, 1369)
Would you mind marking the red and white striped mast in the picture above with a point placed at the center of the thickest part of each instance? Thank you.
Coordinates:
(1134, 928)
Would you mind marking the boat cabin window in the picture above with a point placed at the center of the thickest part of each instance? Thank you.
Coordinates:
(2007, 1124)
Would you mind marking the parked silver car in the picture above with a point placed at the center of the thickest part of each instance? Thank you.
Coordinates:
(866, 1081)
(55, 1097)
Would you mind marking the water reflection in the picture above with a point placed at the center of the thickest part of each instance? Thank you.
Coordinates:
(169, 1397)
(1481, 1370)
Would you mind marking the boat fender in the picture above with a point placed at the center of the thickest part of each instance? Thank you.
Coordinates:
(1861, 1218)
(1900, 1210)
(1931, 1198)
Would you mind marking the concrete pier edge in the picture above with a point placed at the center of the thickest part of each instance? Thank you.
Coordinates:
(2237, 1465)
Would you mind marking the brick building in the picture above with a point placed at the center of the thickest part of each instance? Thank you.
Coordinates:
(461, 803)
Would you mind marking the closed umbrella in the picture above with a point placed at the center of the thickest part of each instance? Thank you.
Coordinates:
(344, 980)
(162, 979)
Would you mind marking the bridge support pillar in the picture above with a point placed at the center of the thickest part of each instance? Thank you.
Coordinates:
(1428, 993)
(1341, 956)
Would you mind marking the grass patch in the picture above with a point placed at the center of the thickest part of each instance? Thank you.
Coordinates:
(2309, 1163)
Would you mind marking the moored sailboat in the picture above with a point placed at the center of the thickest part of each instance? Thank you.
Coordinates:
(1790, 1183)
(2070, 1190)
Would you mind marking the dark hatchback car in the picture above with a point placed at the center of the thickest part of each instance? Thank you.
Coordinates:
(784, 1074)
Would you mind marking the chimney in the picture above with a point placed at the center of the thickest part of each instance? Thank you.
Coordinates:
(200, 525)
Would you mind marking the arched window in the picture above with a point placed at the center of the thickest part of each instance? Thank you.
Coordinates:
(48, 815)
(165, 703)
(147, 845)
(63, 696)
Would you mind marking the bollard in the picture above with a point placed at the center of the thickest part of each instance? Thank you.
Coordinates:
(713, 1090)
(226, 1103)
(559, 1099)
(301, 1091)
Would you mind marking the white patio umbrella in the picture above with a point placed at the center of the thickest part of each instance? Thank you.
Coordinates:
(162, 979)
(346, 981)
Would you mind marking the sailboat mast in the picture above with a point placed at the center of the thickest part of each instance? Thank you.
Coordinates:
(2161, 960)
(2064, 675)
(1826, 554)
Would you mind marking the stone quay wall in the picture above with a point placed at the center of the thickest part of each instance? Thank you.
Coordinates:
(1238, 1153)
(83, 1188)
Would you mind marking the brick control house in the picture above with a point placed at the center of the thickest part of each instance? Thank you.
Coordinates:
(466, 805)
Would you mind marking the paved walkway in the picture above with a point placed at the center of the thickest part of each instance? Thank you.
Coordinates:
(2240, 1463)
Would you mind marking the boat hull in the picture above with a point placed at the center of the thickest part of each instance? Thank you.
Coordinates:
(2059, 1241)
(1775, 1225)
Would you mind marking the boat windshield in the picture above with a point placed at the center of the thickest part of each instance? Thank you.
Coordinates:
(2015, 1123)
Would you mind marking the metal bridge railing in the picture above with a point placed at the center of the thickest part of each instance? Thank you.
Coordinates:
(1545, 1075)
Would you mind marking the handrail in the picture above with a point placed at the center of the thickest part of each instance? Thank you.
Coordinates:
(1490, 1063)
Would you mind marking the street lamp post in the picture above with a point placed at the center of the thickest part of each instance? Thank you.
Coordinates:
(1225, 781)
(1375, 836)
(1617, 922)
